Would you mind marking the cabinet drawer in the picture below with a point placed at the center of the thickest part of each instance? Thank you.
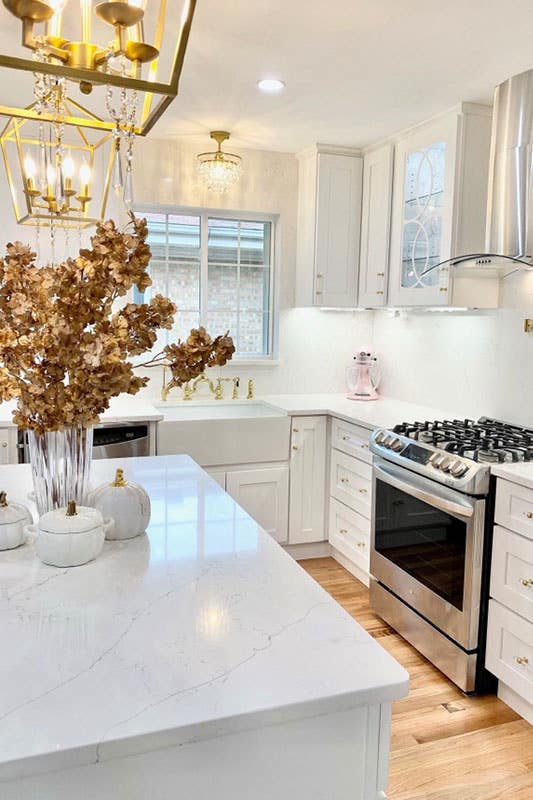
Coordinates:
(349, 532)
(351, 482)
(510, 650)
(351, 439)
(511, 576)
(514, 507)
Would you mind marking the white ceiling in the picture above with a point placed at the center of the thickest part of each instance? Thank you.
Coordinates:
(355, 71)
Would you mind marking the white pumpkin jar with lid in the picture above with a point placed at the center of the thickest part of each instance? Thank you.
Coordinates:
(13, 519)
(127, 503)
(70, 537)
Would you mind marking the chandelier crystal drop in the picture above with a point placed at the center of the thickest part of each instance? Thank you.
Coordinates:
(219, 171)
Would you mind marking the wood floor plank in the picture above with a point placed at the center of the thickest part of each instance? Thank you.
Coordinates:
(444, 745)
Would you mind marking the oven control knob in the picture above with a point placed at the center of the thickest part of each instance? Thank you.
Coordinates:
(397, 445)
(438, 460)
(379, 437)
(446, 464)
(459, 469)
(387, 441)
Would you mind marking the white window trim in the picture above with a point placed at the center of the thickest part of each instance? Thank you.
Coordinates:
(272, 359)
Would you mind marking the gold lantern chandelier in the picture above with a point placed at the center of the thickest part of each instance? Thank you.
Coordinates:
(51, 171)
(218, 170)
(124, 47)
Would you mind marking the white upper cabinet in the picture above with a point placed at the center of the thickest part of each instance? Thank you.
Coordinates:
(375, 226)
(329, 219)
(439, 208)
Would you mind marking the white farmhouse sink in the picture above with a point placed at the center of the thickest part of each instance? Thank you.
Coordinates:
(231, 409)
(224, 432)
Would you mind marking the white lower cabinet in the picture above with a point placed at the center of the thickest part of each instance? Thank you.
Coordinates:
(264, 494)
(510, 650)
(509, 653)
(8, 446)
(307, 496)
(350, 501)
(349, 532)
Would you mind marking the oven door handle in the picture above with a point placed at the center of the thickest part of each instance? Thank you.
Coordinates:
(423, 489)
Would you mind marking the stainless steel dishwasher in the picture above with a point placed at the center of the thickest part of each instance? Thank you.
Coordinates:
(110, 440)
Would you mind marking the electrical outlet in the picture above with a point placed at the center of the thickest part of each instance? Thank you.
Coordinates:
(528, 326)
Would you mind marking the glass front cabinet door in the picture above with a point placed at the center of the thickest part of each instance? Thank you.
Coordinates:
(440, 188)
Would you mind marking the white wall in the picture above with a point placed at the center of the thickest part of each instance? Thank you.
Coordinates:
(478, 363)
(314, 346)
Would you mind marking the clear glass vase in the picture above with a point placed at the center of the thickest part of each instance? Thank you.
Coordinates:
(60, 466)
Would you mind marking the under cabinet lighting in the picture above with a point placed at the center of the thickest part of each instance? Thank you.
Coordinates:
(271, 85)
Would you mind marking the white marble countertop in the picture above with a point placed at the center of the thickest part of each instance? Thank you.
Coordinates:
(517, 473)
(382, 413)
(203, 627)
(123, 408)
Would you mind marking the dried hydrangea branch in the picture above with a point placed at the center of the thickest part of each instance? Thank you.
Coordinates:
(64, 351)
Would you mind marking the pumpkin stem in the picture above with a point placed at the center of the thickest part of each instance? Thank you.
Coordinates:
(3, 500)
(71, 508)
(119, 478)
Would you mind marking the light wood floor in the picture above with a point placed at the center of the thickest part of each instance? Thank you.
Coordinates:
(445, 746)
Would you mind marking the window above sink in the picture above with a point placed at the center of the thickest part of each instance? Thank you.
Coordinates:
(219, 270)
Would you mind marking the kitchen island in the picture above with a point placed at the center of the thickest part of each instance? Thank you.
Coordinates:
(196, 661)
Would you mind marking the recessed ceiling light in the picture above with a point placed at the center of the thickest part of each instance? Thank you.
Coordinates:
(271, 85)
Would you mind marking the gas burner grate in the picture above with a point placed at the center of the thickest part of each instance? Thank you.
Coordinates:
(486, 440)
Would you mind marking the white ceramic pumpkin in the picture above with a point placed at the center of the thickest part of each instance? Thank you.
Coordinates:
(69, 537)
(13, 519)
(127, 503)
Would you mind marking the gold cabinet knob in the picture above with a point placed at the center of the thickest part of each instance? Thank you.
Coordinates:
(529, 515)
(295, 447)
(361, 544)
(4, 444)
(527, 582)
(363, 491)
(522, 660)
(296, 430)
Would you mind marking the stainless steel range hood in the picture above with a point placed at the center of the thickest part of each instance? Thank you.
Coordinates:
(509, 233)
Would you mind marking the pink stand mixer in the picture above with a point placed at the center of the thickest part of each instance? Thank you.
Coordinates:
(363, 377)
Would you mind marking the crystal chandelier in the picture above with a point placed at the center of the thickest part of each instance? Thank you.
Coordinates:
(217, 170)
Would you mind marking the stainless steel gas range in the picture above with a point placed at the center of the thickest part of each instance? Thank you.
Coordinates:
(432, 519)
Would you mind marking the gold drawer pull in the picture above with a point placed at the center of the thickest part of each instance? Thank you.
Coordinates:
(345, 480)
(379, 292)
(296, 430)
(529, 515)
(295, 447)
(380, 274)
(363, 491)
(522, 660)
(343, 530)
(527, 581)
(361, 544)
(345, 438)
(365, 446)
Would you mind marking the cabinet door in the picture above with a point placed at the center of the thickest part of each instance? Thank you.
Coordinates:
(338, 219)
(264, 494)
(307, 498)
(422, 218)
(375, 227)
(4, 447)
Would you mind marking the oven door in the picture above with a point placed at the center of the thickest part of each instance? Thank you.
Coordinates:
(427, 548)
